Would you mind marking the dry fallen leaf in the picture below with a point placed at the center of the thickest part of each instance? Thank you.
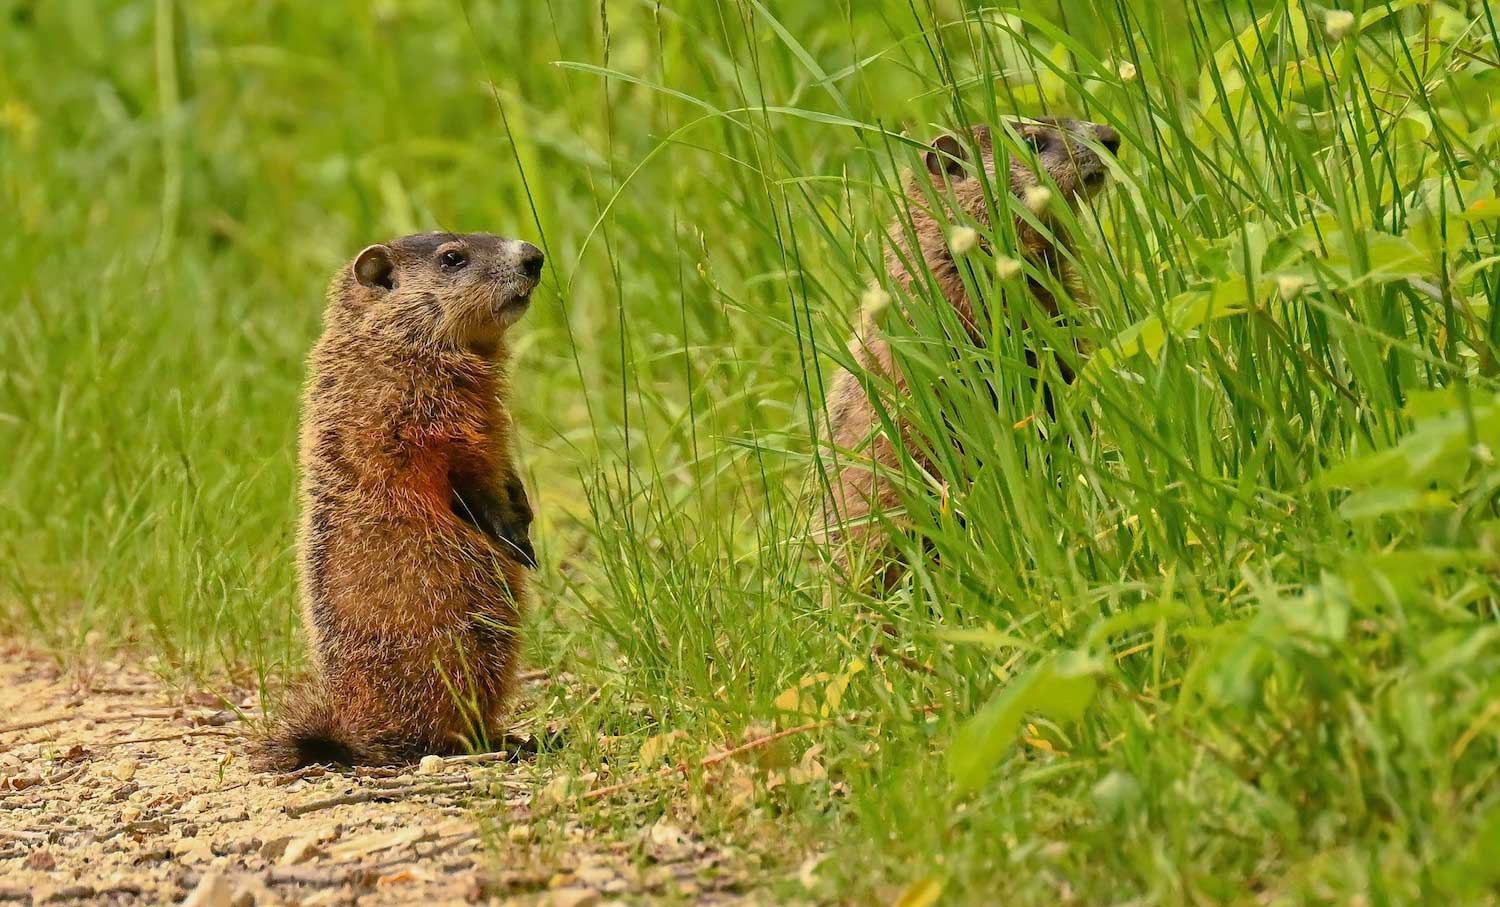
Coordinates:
(656, 748)
(807, 873)
(666, 834)
(809, 769)
(556, 791)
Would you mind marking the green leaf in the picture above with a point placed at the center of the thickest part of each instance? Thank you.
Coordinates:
(1065, 689)
(1061, 689)
(984, 739)
(1377, 502)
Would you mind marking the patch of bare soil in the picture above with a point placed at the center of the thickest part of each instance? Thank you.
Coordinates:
(116, 790)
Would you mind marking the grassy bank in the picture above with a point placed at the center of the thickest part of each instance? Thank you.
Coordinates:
(1222, 628)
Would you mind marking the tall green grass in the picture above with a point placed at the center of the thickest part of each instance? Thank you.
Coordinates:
(1220, 629)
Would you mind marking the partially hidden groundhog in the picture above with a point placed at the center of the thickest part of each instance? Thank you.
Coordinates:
(860, 547)
(414, 544)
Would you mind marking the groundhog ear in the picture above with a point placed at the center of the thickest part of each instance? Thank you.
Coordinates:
(946, 157)
(375, 268)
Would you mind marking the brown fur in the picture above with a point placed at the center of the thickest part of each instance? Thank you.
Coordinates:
(860, 545)
(413, 546)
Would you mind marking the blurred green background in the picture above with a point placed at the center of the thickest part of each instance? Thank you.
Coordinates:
(1219, 630)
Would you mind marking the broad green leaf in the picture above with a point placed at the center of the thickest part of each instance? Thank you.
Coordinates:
(1061, 689)
(1376, 502)
(985, 738)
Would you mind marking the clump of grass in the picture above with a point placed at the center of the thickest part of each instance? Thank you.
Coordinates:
(1220, 627)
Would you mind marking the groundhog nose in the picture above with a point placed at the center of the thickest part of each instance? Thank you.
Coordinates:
(1107, 137)
(531, 260)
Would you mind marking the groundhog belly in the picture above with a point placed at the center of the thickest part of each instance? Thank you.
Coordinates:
(422, 625)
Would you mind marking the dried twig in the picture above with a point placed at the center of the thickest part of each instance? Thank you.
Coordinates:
(318, 876)
(384, 793)
(197, 732)
(498, 756)
(99, 719)
(28, 784)
(124, 691)
(440, 845)
(911, 664)
(684, 767)
(35, 723)
(285, 778)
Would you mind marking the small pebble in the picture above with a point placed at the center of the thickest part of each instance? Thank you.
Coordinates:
(124, 770)
(431, 765)
(274, 848)
(572, 897)
(300, 850)
(212, 891)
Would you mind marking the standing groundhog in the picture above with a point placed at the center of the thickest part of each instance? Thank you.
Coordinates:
(861, 549)
(414, 544)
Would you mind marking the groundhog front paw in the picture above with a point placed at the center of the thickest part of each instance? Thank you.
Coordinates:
(505, 518)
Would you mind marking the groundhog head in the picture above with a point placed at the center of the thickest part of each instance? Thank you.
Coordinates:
(1069, 151)
(459, 290)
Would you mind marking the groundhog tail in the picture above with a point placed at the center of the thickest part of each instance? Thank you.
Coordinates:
(313, 731)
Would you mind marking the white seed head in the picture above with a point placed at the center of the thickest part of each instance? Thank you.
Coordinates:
(1337, 23)
(1007, 268)
(1127, 71)
(1290, 286)
(1038, 198)
(962, 240)
(873, 303)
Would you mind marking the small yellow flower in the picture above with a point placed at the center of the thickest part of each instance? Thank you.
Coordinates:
(1290, 286)
(1127, 71)
(1007, 268)
(1337, 23)
(962, 240)
(18, 119)
(1038, 198)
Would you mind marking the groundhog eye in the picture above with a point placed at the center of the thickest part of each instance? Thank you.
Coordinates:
(1037, 141)
(453, 259)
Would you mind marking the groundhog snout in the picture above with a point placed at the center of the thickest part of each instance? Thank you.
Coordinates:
(1108, 137)
(530, 260)
(1089, 163)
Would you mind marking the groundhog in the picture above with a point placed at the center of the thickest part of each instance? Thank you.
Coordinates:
(860, 547)
(414, 548)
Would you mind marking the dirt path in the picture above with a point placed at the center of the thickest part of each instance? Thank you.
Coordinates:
(116, 790)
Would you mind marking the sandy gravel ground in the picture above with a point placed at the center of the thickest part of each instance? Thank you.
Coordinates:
(117, 790)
